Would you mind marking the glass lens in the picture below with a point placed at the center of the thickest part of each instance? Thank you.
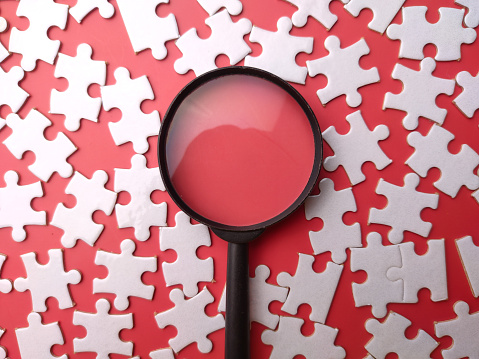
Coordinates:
(240, 150)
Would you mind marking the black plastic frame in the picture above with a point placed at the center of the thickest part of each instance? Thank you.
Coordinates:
(162, 139)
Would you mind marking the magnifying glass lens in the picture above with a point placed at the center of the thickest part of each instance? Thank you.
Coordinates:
(240, 150)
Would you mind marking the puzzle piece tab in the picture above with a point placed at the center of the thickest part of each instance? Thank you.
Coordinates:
(384, 11)
(317, 9)
(83, 7)
(5, 284)
(472, 17)
(468, 100)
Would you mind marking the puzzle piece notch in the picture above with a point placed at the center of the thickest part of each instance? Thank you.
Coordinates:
(50, 156)
(472, 17)
(383, 11)
(33, 43)
(91, 196)
(145, 29)
(358, 146)
(5, 284)
(388, 337)
(469, 253)
(83, 7)
(103, 331)
(457, 170)
(11, 94)
(310, 287)
(226, 38)
(185, 316)
(49, 280)
(418, 97)
(335, 236)
(288, 341)
(15, 206)
(75, 103)
(127, 95)
(317, 9)
(403, 211)
(188, 270)
(342, 69)
(234, 7)
(468, 100)
(36, 340)
(415, 32)
(279, 51)
(124, 274)
(140, 213)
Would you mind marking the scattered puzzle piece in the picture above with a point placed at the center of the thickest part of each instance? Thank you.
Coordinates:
(418, 97)
(140, 213)
(388, 337)
(358, 146)
(77, 222)
(185, 316)
(468, 100)
(166, 353)
(11, 94)
(15, 206)
(234, 7)
(75, 103)
(127, 95)
(384, 11)
(188, 270)
(226, 38)
(432, 151)
(403, 211)
(3, 353)
(3, 51)
(279, 51)
(318, 9)
(415, 32)
(472, 17)
(5, 284)
(83, 7)
(342, 69)
(469, 253)
(49, 280)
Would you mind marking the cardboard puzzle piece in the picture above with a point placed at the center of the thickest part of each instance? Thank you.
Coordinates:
(422, 271)
(418, 97)
(49, 280)
(5, 284)
(166, 353)
(103, 331)
(141, 213)
(309, 287)
(403, 211)
(317, 9)
(358, 146)
(185, 316)
(75, 103)
(127, 95)
(83, 7)
(226, 38)
(124, 275)
(472, 17)
(457, 170)
(375, 259)
(388, 337)
(36, 340)
(342, 69)
(288, 341)
(15, 206)
(415, 32)
(384, 11)
(234, 7)
(279, 51)
(50, 156)
(468, 100)
(469, 253)
(11, 94)
(188, 270)
(33, 43)
(330, 206)
(145, 29)
(77, 222)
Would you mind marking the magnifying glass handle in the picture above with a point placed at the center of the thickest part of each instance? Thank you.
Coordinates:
(237, 303)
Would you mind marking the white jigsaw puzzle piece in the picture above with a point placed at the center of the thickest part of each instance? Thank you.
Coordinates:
(469, 253)
(3, 51)
(384, 11)
(403, 211)
(127, 95)
(145, 29)
(468, 100)
(15, 206)
(11, 94)
(234, 7)
(185, 316)
(226, 38)
(188, 270)
(472, 17)
(3, 353)
(418, 97)
(457, 170)
(5, 284)
(50, 156)
(415, 32)
(75, 103)
(388, 337)
(317, 9)
(141, 213)
(166, 353)
(77, 222)
(310, 287)
(124, 275)
(49, 280)
(342, 69)
(83, 7)
(103, 331)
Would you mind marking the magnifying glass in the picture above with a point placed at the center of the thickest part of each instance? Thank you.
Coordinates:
(239, 150)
